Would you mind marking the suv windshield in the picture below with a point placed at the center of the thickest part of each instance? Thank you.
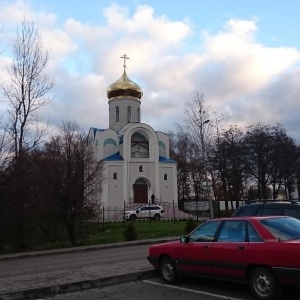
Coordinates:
(247, 210)
(269, 208)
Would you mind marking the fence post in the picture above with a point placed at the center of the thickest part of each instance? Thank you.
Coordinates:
(174, 211)
(103, 218)
(124, 208)
(149, 213)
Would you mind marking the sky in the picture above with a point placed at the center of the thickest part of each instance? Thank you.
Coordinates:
(244, 56)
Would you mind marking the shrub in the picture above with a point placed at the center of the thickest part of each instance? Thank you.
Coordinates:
(130, 233)
(190, 225)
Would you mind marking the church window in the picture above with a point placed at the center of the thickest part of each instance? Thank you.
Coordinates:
(165, 177)
(117, 115)
(115, 176)
(139, 146)
(140, 168)
(129, 113)
(138, 115)
(162, 149)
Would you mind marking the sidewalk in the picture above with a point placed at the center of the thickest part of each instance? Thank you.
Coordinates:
(40, 285)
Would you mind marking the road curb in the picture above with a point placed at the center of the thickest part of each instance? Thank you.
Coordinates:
(62, 288)
(43, 290)
(86, 248)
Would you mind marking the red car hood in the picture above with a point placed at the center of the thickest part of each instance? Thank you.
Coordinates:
(168, 244)
(164, 247)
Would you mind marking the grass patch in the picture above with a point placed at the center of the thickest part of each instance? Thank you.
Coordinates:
(113, 232)
(99, 233)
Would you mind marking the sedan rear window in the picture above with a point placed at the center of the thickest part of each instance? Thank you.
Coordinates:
(283, 228)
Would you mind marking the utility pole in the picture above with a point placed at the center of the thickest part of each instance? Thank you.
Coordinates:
(211, 213)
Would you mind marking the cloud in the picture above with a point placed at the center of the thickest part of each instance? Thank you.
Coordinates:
(248, 64)
(146, 25)
(12, 13)
(242, 79)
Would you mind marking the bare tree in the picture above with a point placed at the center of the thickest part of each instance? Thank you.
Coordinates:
(297, 163)
(28, 89)
(197, 116)
(282, 163)
(73, 176)
(229, 154)
(5, 174)
(199, 126)
(5, 156)
(25, 94)
(179, 151)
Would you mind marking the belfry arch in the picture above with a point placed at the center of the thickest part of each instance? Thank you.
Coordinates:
(139, 146)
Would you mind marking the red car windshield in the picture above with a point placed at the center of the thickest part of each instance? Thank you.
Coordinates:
(283, 229)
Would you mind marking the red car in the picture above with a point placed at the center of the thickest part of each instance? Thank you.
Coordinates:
(263, 251)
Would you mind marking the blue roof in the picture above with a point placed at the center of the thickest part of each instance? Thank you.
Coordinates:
(166, 160)
(118, 157)
(96, 129)
(114, 157)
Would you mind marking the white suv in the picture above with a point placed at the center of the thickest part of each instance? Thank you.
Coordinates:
(154, 212)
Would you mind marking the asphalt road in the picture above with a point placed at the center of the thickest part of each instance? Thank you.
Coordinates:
(189, 288)
(156, 289)
(69, 261)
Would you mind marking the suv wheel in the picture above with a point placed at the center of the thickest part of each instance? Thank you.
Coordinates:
(156, 217)
(132, 217)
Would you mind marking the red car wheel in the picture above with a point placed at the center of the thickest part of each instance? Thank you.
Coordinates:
(168, 270)
(264, 285)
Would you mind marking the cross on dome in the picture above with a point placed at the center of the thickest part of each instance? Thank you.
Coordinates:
(124, 88)
(124, 57)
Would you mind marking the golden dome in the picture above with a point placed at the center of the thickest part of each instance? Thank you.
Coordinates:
(124, 88)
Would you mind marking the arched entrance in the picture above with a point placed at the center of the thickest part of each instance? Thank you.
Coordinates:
(140, 191)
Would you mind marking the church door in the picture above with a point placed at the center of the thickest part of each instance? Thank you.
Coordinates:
(140, 191)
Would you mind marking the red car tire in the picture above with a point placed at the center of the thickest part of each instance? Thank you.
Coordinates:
(168, 270)
(264, 285)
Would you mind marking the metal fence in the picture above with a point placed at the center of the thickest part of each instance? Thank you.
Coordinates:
(171, 212)
(53, 231)
(191, 209)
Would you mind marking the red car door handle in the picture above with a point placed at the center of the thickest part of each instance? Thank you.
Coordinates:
(206, 247)
(241, 247)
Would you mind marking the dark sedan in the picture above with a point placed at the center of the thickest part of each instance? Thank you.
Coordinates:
(263, 251)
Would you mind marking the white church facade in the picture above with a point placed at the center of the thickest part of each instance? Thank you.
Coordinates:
(138, 168)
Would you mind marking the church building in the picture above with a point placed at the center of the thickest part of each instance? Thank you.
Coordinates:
(138, 168)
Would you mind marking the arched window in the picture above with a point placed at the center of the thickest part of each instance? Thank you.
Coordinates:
(140, 168)
(117, 114)
(129, 113)
(139, 146)
(165, 176)
(115, 176)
